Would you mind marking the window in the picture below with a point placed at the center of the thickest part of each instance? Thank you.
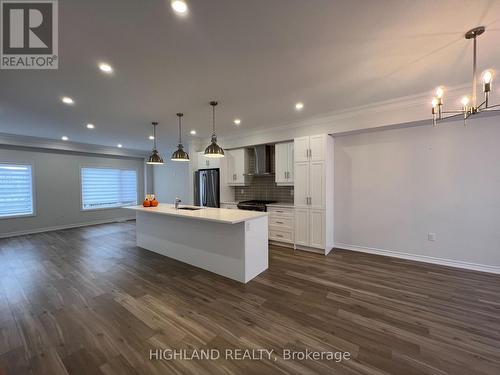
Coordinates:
(108, 188)
(16, 190)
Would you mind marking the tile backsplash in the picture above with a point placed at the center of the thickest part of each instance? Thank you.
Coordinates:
(263, 187)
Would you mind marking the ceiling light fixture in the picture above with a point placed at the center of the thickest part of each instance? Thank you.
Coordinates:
(90, 126)
(237, 121)
(64, 138)
(154, 158)
(106, 68)
(180, 154)
(213, 150)
(119, 145)
(192, 132)
(469, 105)
(67, 100)
(179, 6)
(299, 106)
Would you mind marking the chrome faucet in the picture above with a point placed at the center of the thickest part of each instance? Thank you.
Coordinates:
(177, 201)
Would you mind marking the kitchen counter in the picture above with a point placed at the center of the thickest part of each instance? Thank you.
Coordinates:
(230, 243)
(217, 215)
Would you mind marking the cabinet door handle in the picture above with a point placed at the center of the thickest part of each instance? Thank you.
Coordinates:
(279, 235)
(279, 222)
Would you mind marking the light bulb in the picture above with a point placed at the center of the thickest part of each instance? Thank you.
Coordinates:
(465, 101)
(487, 76)
(440, 92)
(179, 6)
(435, 102)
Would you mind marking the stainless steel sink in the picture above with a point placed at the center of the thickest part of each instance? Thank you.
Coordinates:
(190, 208)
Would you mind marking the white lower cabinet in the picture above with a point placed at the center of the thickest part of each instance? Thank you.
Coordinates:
(317, 229)
(281, 228)
(302, 226)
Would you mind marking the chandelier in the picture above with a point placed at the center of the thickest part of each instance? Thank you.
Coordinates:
(470, 105)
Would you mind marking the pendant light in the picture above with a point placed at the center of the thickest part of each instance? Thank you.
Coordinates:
(155, 158)
(180, 154)
(214, 150)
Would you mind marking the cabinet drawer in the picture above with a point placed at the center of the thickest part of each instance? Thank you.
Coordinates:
(278, 212)
(281, 222)
(280, 235)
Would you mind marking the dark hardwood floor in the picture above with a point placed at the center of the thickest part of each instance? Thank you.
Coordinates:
(88, 301)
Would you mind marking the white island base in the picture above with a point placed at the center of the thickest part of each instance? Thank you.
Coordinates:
(236, 248)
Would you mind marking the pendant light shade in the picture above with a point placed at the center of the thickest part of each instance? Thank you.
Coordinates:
(154, 158)
(214, 150)
(180, 154)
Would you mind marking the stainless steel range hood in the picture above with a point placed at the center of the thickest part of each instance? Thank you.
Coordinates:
(262, 160)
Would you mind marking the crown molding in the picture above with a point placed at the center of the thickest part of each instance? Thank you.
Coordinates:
(23, 141)
(412, 110)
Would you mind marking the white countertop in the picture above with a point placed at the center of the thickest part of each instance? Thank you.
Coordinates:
(218, 215)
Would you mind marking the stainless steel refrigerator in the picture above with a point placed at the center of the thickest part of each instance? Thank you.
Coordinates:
(207, 188)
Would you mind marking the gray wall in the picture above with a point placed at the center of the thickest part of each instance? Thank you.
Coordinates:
(394, 187)
(171, 180)
(57, 189)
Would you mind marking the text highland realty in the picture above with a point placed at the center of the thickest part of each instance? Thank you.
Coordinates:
(245, 354)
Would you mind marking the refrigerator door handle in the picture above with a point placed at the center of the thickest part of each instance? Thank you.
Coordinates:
(205, 185)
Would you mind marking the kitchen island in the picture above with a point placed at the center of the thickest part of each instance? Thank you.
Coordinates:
(231, 243)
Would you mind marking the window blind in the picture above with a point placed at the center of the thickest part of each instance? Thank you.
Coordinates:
(106, 188)
(16, 190)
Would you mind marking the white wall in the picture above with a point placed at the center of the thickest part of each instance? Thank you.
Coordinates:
(57, 189)
(393, 187)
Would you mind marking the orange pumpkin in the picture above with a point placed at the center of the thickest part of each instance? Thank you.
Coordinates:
(146, 203)
(154, 203)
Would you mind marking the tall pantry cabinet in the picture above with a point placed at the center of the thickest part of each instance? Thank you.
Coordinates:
(313, 192)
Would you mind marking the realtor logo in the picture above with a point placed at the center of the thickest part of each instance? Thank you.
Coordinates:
(29, 34)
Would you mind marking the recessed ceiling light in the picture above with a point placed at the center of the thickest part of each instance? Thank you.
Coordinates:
(237, 121)
(119, 145)
(179, 6)
(151, 137)
(106, 68)
(90, 126)
(192, 132)
(299, 106)
(64, 138)
(67, 100)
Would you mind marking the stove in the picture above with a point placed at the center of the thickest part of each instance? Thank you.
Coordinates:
(254, 205)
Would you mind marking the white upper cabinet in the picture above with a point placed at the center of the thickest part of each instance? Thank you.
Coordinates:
(207, 163)
(284, 164)
(317, 145)
(301, 149)
(237, 167)
(290, 162)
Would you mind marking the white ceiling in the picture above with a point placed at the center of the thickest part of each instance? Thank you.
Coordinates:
(257, 58)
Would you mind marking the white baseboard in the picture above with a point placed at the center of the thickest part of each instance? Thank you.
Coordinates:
(421, 258)
(67, 226)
